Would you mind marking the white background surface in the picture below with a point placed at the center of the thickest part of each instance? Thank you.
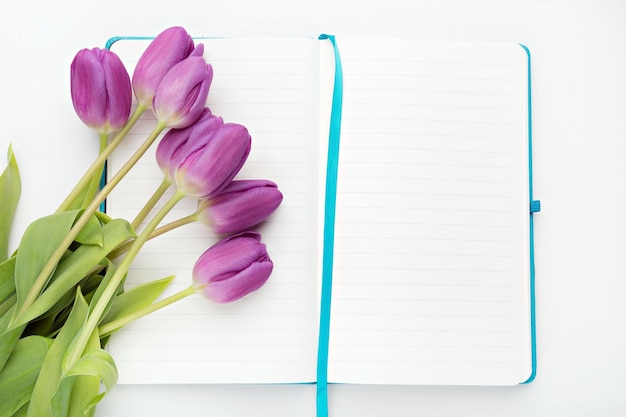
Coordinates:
(579, 98)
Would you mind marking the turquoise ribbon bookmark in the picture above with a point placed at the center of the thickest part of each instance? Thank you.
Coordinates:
(329, 234)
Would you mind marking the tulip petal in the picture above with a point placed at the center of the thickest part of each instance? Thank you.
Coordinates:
(239, 285)
(243, 204)
(177, 144)
(100, 89)
(166, 50)
(181, 96)
(209, 170)
(203, 158)
(229, 256)
(88, 88)
(118, 90)
(233, 267)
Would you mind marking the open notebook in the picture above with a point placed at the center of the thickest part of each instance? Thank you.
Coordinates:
(432, 279)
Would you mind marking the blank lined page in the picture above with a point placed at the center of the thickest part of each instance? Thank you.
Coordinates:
(270, 86)
(432, 264)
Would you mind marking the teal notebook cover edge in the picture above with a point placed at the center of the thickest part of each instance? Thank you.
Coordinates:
(535, 207)
(114, 39)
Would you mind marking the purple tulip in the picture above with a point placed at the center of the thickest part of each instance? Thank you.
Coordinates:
(181, 95)
(232, 268)
(100, 89)
(203, 158)
(166, 50)
(243, 204)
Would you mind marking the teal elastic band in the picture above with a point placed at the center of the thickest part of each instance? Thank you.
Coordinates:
(329, 234)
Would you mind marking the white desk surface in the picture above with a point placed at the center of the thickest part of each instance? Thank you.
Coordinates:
(579, 100)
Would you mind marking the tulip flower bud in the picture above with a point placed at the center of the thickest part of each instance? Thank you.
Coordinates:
(203, 158)
(166, 50)
(232, 268)
(181, 96)
(100, 89)
(243, 204)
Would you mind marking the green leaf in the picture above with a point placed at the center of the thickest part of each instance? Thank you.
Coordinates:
(51, 370)
(10, 190)
(128, 304)
(91, 233)
(76, 266)
(18, 377)
(7, 278)
(8, 338)
(61, 309)
(98, 364)
(42, 327)
(101, 288)
(7, 304)
(103, 217)
(85, 387)
(91, 284)
(40, 241)
(21, 412)
(78, 391)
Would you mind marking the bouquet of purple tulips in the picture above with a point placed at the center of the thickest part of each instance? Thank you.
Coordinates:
(62, 290)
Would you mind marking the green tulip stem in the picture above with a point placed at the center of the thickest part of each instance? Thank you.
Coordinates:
(115, 325)
(94, 184)
(175, 224)
(97, 312)
(56, 256)
(141, 216)
(96, 167)
(123, 248)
